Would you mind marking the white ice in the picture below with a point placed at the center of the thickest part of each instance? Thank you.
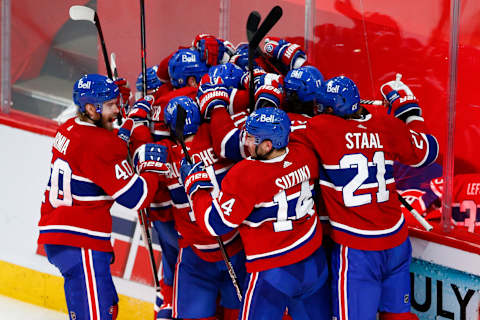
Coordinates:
(11, 309)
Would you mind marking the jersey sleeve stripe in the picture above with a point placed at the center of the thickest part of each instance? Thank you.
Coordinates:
(133, 197)
(132, 181)
(231, 146)
(414, 118)
(431, 153)
(342, 176)
(84, 190)
(217, 211)
(232, 99)
(369, 233)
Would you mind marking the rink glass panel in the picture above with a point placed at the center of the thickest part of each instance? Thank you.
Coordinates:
(367, 40)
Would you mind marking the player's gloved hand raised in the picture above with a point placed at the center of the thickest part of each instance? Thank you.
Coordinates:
(212, 50)
(125, 130)
(194, 177)
(151, 157)
(269, 91)
(125, 91)
(401, 100)
(257, 72)
(142, 108)
(212, 94)
(289, 54)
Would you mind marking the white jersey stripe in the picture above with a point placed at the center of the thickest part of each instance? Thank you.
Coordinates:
(76, 229)
(368, 232)
(293, 245)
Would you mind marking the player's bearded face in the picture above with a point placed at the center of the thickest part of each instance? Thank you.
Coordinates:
(257, 151)
(110, 111)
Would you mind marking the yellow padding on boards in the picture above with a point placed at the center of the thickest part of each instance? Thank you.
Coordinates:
(45, 290)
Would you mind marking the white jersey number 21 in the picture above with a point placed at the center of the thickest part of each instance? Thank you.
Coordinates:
(360, 162)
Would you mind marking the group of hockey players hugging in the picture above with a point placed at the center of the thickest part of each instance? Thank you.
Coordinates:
(297, 186)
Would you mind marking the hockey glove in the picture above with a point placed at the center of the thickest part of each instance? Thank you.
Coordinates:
(401, 100)
(141, 109)
(125, 130)
(289, 54)
(211, 96)
(124, 89)
(257, 72)
(194, 177)
(150, 157)
(269, 91)
(212, 50)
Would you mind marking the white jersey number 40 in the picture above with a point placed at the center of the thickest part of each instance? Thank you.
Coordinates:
(60, 196)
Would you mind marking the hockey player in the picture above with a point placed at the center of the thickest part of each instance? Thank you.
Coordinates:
(200, 273)
(269, 199)
(89, 172)
(357, 149)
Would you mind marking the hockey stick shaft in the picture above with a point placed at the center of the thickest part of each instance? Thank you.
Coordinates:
(104, 47)
(272, 18)
(179, 124)
(113, 63)
(415, 213)
(147, 238)
(143, 47)
(372, 102)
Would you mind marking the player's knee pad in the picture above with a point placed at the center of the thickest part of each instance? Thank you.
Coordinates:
(230, 314)
(398, 316)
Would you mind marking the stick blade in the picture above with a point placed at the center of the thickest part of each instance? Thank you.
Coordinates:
(252, 24)
(272, 18)
(82, 13)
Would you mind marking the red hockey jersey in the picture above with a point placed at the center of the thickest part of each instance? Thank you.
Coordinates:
(88, 172)
(356, 175)
(200, 149)
(271, 204)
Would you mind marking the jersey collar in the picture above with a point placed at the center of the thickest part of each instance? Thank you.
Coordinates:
(277, 159)
(83, 123)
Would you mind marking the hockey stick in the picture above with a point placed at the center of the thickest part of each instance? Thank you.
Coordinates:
(113, 58)
(415, 213)
(179, 125)
(272, 18)
(252, 24)
(88, 14)
(372, 102)
(143, 47)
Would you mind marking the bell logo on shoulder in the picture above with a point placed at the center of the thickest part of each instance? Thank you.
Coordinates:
(332, 89)
(84, 85)
(264, 118)
(188, 58)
